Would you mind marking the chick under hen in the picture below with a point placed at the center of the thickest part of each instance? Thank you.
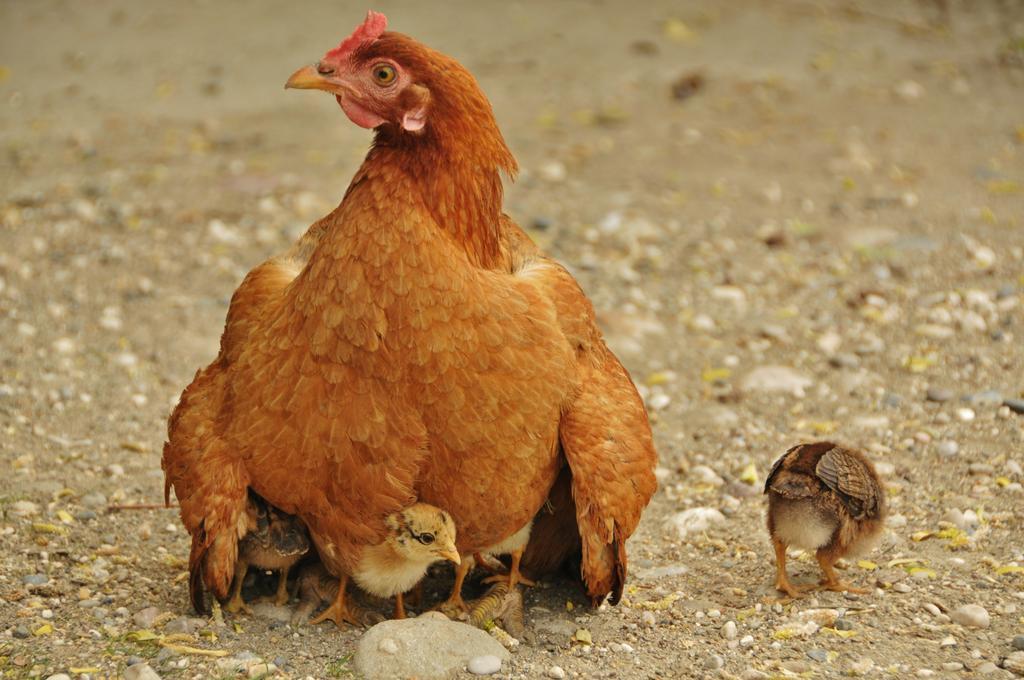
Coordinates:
(826, 499)
(417, 537)
(275, 541)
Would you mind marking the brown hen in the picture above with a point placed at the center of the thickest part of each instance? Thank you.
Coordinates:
(413, 344)
(826, 499)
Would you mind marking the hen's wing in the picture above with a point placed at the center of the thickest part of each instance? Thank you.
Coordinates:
(850, 475)
(208, 478)
(209, 483)
(607, 442)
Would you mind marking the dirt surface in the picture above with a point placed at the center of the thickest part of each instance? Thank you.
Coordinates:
(832, 187)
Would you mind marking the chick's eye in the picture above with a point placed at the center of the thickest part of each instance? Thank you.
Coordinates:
(384, 74)
(425, 539)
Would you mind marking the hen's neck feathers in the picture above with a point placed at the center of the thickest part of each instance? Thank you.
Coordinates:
(457, 160)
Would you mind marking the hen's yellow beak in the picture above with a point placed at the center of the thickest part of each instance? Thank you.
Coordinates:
(307, 78)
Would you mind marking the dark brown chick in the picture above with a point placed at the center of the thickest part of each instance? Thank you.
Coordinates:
(826, 499)
(276, 541)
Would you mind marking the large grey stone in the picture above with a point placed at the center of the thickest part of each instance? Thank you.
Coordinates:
(424, 648)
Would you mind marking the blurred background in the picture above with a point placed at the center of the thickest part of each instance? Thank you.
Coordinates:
(796, 219)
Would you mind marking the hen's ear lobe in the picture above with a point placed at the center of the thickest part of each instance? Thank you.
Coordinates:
(416, 102)
(414, 120)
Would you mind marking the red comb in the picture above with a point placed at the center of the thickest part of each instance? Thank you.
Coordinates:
(366, 32)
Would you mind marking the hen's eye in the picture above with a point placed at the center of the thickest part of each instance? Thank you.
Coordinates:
(384, 74)
(425, 539)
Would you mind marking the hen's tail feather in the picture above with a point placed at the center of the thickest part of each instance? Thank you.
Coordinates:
(599, 567)
(212, 508)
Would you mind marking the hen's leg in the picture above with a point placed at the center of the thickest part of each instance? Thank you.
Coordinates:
(399, 607)
(455, 605)
(513, 576)
(236, 603)
(781, 578)
(339, 611)
(827, 560)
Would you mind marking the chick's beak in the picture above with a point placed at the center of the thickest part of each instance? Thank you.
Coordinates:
(452, 555)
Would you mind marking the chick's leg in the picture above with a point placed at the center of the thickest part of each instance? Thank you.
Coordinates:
(399, 607)
(455, 605)
(513, 576)
(482, 563)
(827, 560)
(782, 582)
(235, 603)
(339, 611)
(281, 598)
(416, 595)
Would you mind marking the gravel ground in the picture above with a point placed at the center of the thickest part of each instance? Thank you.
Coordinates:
(796, 220)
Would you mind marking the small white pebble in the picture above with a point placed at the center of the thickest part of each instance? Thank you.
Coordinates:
(483, 665)
(556, 672)
(965, 414)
